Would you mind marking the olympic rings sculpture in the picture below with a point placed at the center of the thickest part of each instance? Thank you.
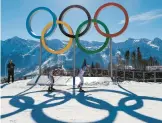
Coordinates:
(78, 33)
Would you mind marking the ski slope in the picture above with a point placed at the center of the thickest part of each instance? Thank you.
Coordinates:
(128, 102)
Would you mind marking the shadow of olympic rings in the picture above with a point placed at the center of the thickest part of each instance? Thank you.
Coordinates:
(28, 103)
(130, 110)
(40, 117)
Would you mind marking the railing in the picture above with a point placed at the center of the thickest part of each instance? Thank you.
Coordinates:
(5, 79)
(91, 72)
(140, 76)
(136, 75)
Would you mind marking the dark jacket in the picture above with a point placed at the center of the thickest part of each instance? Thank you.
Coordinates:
(10, 67)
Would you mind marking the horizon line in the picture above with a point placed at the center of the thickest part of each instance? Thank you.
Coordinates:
(82, 40)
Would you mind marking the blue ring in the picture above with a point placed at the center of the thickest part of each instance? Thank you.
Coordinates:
(29, 18)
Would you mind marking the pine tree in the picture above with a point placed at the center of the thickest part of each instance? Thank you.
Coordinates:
(127, 56)
(151, 61)
(156, 62)
(144, 64)
(92, 65)
(133, 56)
(97, 65)
(139, 57)
(84, 63)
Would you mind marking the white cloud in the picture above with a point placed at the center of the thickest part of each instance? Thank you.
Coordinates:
(147, 16)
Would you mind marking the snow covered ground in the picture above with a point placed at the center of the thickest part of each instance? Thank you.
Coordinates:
(129, 102)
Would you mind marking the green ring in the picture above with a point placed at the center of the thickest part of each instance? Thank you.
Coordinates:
(83, 48)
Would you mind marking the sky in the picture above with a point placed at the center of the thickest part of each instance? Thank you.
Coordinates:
(145, 18)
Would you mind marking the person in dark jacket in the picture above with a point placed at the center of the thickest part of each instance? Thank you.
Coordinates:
(10, 67)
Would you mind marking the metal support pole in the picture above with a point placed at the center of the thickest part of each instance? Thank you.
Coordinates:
(74, 64)
(154, 76)
(40, 58)
(124, 76)
(111, 58)
(143, 76)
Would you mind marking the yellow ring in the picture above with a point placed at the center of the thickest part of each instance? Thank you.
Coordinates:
(61, 51)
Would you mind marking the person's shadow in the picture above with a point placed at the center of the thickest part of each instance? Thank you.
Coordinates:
(4, 85)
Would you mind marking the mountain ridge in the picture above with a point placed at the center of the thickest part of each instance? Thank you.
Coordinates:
(26, 52)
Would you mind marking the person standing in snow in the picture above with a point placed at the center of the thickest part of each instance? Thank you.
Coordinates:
(80, 75)
(51, 79)
(10, 67)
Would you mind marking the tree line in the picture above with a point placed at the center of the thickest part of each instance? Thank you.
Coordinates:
(137, 61)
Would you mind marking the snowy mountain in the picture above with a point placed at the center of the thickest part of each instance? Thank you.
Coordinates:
(25, 53)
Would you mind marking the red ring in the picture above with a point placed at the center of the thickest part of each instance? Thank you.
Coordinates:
(126, 19)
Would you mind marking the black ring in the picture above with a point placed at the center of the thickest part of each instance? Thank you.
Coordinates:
(62, 15)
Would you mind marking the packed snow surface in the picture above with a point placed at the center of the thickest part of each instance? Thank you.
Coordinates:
(107, 102)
